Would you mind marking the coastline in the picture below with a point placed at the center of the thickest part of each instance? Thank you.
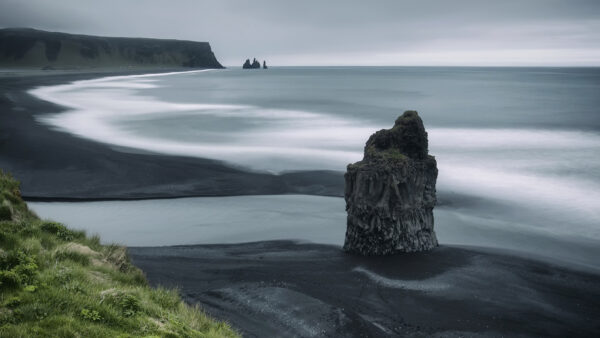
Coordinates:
(270, 287)
(71, 168)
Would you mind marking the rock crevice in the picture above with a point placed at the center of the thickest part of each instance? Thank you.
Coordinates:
(390, 194)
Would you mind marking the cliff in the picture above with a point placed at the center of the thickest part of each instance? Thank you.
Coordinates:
(390, 194)
(56, 281)
(30, 48)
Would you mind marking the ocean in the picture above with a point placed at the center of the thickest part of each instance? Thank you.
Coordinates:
(518, 150)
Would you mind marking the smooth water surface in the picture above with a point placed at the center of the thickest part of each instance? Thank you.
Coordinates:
(240, 219)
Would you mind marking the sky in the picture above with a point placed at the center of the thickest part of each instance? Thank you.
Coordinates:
(344, 33)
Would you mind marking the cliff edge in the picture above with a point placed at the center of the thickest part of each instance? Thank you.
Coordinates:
(390, 194)
(31, 48)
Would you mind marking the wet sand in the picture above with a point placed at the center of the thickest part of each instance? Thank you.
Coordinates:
(53, 165)
(284, 288)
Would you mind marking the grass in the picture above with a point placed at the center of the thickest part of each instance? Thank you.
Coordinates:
(57, 282)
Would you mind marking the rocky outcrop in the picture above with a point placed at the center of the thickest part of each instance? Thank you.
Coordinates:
(30, 48)
(265, 65)
(390, 194)
(254, 65)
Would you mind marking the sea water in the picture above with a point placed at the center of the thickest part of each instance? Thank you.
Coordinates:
(518, 149)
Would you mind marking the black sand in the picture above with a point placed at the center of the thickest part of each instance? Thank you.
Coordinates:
(285, 289)
(52, 165)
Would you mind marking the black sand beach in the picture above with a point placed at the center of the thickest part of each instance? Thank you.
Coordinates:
(282, 288)
(52, 165)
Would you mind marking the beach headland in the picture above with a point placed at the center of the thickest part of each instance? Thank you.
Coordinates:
(53, 165)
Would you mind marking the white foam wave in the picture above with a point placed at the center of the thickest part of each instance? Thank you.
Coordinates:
(493, 138)
(548, 170)
(100, 107)
(430, 284)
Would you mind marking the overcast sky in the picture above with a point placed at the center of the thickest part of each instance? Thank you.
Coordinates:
(336, 32)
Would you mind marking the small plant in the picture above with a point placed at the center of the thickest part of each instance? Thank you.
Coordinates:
(60, 231)
(128, 303)
(91, 315)
(30, 288)
(17, 269)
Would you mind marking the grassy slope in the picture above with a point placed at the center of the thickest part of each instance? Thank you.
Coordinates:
(55, 282)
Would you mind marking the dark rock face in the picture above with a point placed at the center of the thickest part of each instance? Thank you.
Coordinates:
(254, 65)
(390, 194)
(26, 48)
(265, 65)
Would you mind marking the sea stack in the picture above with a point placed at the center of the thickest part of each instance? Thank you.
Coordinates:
(390, 194)
(254, 65)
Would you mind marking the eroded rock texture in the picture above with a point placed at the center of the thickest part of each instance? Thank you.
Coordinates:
(390, 194)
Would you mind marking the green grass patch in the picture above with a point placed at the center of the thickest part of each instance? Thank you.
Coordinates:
(57, 282)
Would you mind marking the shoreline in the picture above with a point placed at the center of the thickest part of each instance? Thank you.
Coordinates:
(132, 199)
(53, 165)
(274, 287)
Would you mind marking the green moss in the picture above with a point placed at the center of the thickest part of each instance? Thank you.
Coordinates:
(56, 282)
(393, 154)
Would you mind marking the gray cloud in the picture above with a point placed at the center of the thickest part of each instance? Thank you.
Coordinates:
(544, 32)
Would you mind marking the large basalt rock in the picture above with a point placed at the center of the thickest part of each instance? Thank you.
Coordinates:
(390, 194)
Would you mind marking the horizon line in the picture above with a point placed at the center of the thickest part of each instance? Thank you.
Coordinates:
(430, 66)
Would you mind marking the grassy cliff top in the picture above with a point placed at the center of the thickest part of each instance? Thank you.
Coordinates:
(56, 282)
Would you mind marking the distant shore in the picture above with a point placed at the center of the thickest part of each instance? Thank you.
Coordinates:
(55, 166)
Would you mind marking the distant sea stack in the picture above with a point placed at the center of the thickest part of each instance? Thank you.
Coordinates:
(390, 194)
(30, 48)
(254, 65)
